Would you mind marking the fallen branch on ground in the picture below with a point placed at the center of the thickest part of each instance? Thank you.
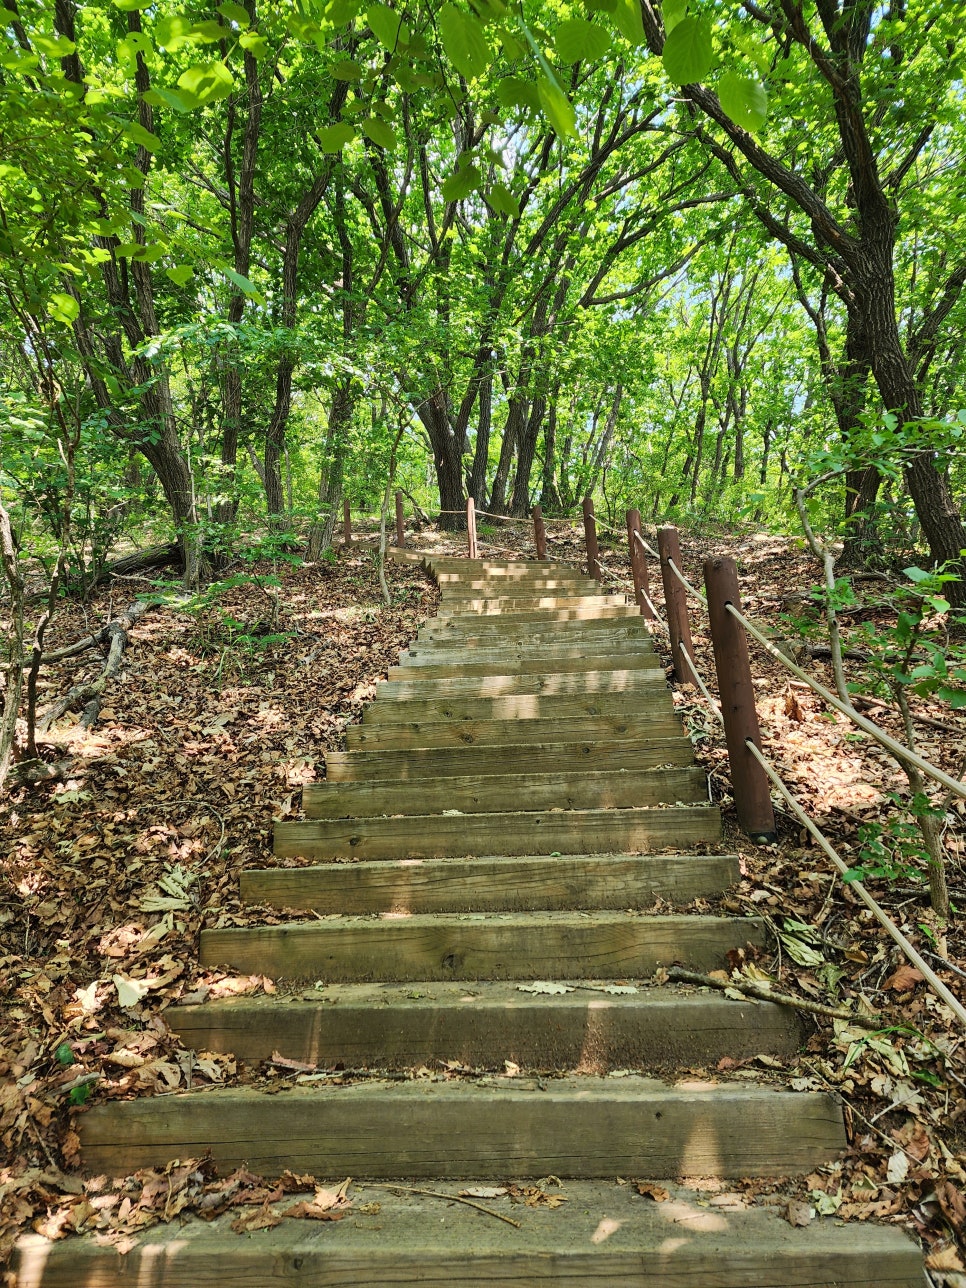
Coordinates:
(763, 993)
(115, 636)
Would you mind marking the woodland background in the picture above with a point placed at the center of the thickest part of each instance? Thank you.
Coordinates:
(700, 259)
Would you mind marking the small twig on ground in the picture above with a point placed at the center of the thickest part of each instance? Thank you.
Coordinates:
(450, 1198)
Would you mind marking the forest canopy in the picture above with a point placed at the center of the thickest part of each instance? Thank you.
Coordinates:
(259, 259)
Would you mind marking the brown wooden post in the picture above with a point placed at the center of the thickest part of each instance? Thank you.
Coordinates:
(752, 793)
(346, 523)
(539, 532)
(471, 527)
(642, 588)
(675, 603)
(590, 537)
(400, 529)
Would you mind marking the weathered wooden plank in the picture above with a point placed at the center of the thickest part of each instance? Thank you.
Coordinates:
(652, 722)
(578, 613)
(533, 666)
(548, 655)
(525, 945)
(486, 793)
(540, 832)
(539, 757)
(396, 1026)
(414, 687)
(537, 602)
(464, 631)
(605, 1237)
(492, 884)
(518, 706)
(634, 1127)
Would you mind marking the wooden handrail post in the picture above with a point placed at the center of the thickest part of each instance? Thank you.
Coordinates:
(539, 532)
(751, 787)
(471, 527)
(347, 523)
(642, 588)
(675, 603)
(590, 537)
(400, 529)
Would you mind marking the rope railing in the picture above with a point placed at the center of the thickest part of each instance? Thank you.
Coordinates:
(881, 916)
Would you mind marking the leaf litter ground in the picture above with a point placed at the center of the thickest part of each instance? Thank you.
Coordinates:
(111, 872)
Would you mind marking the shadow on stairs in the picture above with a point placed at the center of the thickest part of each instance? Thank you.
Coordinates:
(495, 864)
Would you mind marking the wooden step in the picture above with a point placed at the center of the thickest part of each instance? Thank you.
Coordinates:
(577, 613)
(549, 652)
(527, 603)
(414, 687)
(657, 720)
(605, 1236)
(461, 631)
(492, 884)
(632, 754)
(489, 793)
(429, 836)
(530, 706)
(398, 1026)
(533, 945)
(522, 663)
(583, 1127)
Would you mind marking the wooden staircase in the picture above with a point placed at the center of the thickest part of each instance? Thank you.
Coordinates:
(496, 860)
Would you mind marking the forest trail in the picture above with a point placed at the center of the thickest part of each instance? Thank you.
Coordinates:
(513, 846)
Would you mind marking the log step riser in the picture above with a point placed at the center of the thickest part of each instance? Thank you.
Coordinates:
(492, 948)
(492, 884)
(422, 836)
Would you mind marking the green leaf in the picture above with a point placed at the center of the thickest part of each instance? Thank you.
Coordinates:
(207, 33)
(381, 133)
(63, 308)
(65, 1054)
(256, 45)
(80, 1095)
(558, 107)
(333, 138)
(54, 47)
(462, 183)
(955, 697)
(345, 70)
(180, 274)
(577, 39)
(744, 99)
(387, 26)
(630, 24)
(136, 132)
(243, 284)
(687, 53)
(503, 201)
(127, 5)
(464, 42)
(917, 574)
(672, 11)
(173, 32)
(234, 13)
(208, 82)
(170, 98)
(514, 92)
